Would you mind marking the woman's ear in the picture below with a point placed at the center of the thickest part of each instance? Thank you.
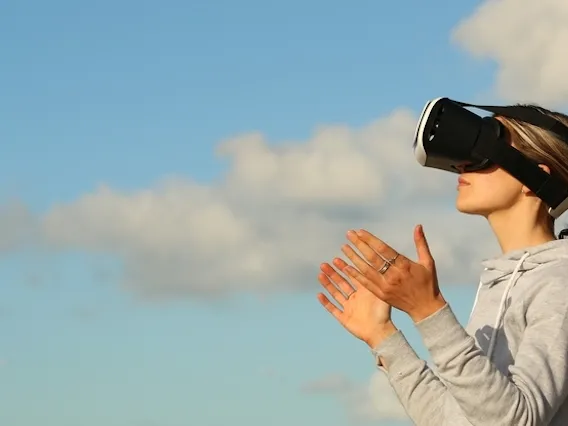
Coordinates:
(526, 190)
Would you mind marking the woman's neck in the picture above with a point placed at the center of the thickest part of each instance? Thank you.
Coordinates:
(519, 228)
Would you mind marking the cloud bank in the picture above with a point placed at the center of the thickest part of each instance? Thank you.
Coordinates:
(282, 208)
(526, 40)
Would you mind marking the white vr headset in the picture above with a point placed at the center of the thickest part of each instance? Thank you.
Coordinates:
(450, 137)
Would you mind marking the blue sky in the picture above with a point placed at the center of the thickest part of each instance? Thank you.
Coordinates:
(128, 93)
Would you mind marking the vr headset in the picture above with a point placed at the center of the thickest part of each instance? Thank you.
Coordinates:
(450, 137)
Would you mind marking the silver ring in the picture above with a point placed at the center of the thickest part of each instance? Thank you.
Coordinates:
(388, 263)
(385, 267)
(349, 295)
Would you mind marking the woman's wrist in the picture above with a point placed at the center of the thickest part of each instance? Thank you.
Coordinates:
(424, 311)
(382, 332)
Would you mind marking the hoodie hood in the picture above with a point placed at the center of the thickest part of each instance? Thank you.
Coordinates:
(501, 267)
(510, 267)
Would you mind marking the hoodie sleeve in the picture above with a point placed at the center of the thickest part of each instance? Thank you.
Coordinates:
(537, 383)
(418, 389)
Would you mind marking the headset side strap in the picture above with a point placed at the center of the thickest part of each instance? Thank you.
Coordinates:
(527, 115)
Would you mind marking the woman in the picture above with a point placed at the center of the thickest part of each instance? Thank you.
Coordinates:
(509, 366)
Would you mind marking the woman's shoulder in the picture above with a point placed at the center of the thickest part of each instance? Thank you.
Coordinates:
(553, 272)
(546, 284)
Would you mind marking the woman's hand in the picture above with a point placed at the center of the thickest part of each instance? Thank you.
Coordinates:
(360, 311)
(409, 286)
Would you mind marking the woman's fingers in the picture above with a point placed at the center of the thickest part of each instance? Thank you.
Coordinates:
(330, 307)
(374, 243)
(373, 286)
(341, 264)
(375, 258)
(337, 280)
(367, 271)
(331, 288)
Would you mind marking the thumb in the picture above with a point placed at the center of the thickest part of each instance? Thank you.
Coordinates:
(424, 256)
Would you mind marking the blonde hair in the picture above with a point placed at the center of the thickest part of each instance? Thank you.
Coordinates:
(540, 145)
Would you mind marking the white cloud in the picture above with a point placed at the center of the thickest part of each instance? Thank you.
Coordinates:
(278, 213)
(527, 39)
(17, 226)
(363, 402)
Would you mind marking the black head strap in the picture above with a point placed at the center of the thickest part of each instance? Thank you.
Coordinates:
(526, 114)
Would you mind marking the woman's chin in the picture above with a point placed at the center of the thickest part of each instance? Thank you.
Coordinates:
(463, 206)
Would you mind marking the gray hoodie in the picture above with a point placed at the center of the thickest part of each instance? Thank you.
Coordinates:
(509, 366)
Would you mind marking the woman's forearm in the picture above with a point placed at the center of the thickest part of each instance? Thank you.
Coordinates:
(419, 390)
